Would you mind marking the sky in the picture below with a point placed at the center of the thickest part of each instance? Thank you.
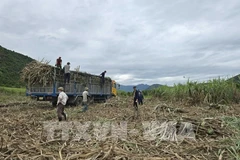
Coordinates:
(136, 41)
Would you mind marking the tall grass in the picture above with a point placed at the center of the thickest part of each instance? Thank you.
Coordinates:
(9, 95)
(234, 123)
(13, 91)
(122, 93)
(212, 91)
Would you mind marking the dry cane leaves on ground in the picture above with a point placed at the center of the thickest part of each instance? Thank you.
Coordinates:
(23, 136)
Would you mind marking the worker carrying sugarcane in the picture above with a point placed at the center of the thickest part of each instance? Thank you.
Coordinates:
(59, 63)
(67, 73)
(103, 76)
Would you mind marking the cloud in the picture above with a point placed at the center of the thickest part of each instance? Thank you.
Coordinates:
(136, 41)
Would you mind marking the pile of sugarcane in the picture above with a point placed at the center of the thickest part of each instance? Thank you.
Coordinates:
(41, 73)
(83, 78)
(37, 72)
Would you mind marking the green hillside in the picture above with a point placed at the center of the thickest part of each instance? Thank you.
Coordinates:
(235, 79)
(11, 63)
(153, 86)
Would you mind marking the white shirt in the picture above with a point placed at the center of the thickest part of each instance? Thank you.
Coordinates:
(66, 69)
(85, 94)
(62, 98)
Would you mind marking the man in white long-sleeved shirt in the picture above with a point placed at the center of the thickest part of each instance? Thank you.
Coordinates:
(62, 100)
(84, 102)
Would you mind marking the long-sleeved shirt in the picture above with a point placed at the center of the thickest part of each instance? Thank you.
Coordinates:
(62, 98)
(66, 69)
(59, 61)
(103, 74)
(135, 95)
(85, 94)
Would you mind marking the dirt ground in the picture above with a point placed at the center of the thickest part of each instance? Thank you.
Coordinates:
(110, 131)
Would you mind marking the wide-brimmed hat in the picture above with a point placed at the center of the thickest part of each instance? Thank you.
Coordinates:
(86, 88)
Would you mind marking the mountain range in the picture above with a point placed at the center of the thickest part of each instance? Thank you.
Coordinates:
(129, 88)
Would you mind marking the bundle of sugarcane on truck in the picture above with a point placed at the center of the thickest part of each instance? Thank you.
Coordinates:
(42, 81)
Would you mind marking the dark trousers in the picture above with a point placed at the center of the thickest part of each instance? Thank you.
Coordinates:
(140, 101)
(60, 112)
(135, 105)
(102, 80)
(66, 77)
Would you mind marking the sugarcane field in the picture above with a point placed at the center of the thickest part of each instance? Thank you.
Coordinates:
(192, 121)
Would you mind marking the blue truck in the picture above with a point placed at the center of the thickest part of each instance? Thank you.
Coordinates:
(47, 90)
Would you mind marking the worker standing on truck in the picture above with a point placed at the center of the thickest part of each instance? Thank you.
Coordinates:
(135, 100)
(59, 63)
(85, 99)
(67, 73)
(62, 100)
(103, 76)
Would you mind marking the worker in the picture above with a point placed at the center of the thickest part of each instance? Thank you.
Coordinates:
(103, 76)
(135, 100)
(140, 98)
(85, 99)
(67, 73)
(59, 63)
(62, 100)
